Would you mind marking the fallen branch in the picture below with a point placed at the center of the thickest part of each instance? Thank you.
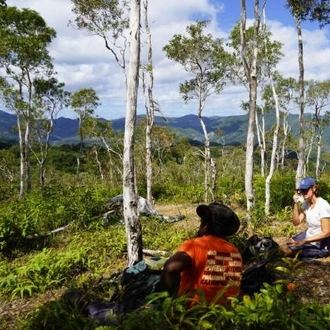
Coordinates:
(154, 253)
(49, 233)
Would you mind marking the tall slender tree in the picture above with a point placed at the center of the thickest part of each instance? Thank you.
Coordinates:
(151, 105)
(84, 102)
(207, 61)
(49, 99)
(131, 215)
(117, 22)
(250, 68)
(318, 98)
(24, 57)
(302, 10)
(269, 54)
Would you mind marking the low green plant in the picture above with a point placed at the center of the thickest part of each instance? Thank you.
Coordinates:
(55, 315)
(94, 251)
(272, 308)
(45, 270)
(168, 236)
(290, 269)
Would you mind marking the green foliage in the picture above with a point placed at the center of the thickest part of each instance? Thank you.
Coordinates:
(45, 270)
(55, 315)
(25, 224)
(167, 235)
(290, 268)
(51, 268)
(282, 187)
(204, 58)
(315, 10)
(272, 308)
(64, 161)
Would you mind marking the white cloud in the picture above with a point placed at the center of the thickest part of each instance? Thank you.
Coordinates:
(82, 60)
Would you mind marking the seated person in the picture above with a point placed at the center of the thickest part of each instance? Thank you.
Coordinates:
(208, 262)
(310, 207)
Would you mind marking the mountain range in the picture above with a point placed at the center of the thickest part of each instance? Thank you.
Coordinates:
(233, 128)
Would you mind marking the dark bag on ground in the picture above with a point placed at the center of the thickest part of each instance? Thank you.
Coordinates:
(133, 285)
(137, 282)
(260, 250)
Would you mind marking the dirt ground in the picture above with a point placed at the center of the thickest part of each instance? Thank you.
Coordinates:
(313, 282)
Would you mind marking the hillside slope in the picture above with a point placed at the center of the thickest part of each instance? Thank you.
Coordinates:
(222, 130)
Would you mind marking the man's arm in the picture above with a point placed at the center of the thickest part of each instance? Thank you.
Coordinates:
(171, 274)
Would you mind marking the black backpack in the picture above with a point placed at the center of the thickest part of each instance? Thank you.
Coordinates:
(136, 283)
(260, 250)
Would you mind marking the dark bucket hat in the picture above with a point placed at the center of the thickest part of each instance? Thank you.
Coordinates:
(222, 219)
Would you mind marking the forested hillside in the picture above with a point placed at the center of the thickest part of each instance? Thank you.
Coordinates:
(233, 128)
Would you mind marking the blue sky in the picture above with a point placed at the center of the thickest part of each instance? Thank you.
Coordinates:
(82, 60)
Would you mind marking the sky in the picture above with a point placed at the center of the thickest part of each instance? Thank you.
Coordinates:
(82, 61)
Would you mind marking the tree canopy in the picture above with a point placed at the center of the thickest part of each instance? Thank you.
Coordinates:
(312, 10)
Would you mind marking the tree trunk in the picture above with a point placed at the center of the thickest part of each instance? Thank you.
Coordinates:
(150, 107)
(251, 74)
(274, 152)
(207, 162)
(214, 175)
(318, 157)
(261, 141)
(149, 163)
(99, 165)
(42, 173)
(250, 146)
(308, 152)
(318, 136)
(286, 129)
(131, 216)
(21, 152)
(27, 152)
(301, 143)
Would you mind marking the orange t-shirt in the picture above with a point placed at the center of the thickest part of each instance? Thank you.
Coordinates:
(216, 263)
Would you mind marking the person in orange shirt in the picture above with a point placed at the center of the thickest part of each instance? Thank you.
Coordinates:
(207, 263)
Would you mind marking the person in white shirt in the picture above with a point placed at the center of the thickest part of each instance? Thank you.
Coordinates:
(308, 206)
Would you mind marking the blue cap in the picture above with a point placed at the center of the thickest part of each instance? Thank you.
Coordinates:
(306, 183)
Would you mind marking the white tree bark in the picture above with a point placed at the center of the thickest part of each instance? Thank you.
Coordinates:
(131, 216)
(251, 74)
(274, 152)
(275, 135)
(208, 192)
(286, 129)
(149, 105)
(261, 137)
(301, 141)
(21, 159)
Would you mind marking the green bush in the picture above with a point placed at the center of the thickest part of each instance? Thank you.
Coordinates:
(25, 223)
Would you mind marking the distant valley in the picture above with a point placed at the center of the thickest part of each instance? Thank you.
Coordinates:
(233, 128)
